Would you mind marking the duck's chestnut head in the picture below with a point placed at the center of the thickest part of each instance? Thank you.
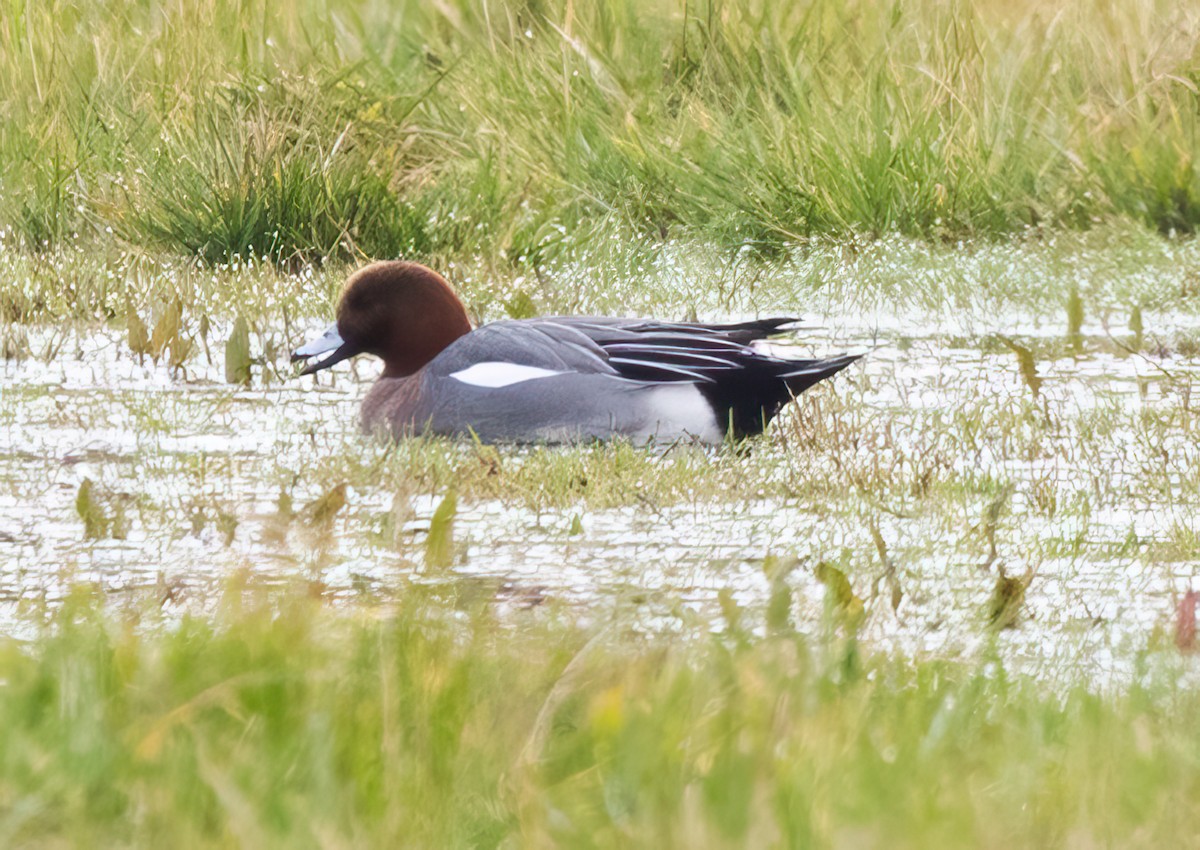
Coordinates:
(402, 312)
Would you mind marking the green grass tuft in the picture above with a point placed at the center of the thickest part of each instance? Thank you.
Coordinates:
(341, 129)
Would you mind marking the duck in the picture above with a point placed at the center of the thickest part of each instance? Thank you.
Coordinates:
(557, 379)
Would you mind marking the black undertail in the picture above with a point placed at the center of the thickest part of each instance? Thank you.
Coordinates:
(746, 401)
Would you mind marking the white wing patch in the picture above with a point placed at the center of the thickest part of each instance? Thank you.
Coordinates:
(494, 374)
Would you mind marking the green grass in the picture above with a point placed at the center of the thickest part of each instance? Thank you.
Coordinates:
(169, 169)
(288, 723)
(344, 128)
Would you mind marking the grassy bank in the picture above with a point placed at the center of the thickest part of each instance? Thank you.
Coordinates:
(520, 130)
(291, 724)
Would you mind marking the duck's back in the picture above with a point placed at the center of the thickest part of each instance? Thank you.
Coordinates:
(523, 382)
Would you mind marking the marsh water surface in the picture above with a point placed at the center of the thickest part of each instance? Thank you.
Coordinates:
(921, 474)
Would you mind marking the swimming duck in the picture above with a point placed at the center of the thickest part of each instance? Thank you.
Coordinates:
(555, 379)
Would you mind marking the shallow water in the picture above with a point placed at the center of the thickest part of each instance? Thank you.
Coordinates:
(196, 469)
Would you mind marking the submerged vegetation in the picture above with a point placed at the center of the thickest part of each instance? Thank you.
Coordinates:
(306, 130)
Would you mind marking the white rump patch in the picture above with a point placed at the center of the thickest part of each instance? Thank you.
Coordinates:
(496, 373)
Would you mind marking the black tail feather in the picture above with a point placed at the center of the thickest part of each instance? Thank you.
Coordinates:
(747, 332)
(805, 373)
(747, 401)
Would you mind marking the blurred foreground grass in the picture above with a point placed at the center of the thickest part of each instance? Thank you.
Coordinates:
(280, 721)
(306, 129)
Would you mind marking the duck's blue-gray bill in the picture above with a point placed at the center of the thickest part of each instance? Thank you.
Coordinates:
(331, 340)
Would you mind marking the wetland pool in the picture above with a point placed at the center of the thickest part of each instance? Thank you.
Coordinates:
(925, 471)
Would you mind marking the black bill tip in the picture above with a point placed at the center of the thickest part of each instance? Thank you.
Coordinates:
(345, 352)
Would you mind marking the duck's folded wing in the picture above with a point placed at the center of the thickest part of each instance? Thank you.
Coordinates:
(601, 327)
(635, 349)
(589, 363)
(745, 386)
(532, 382)
(673, 351)
(521, 348)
